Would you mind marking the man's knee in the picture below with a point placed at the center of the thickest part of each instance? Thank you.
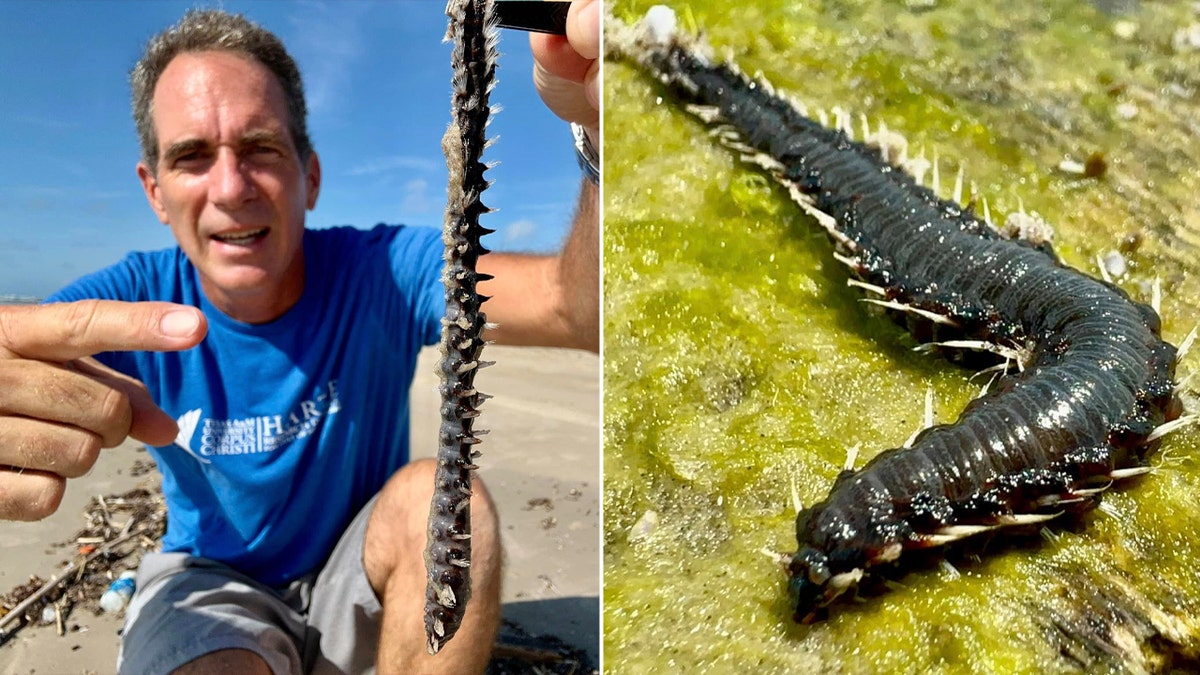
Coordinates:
(399, 521)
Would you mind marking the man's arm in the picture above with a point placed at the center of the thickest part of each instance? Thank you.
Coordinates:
(550, 301)
(555, 301)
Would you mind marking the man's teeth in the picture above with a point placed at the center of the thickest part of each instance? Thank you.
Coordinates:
(241, 238)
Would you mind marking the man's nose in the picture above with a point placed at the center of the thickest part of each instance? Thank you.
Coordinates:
(229, 183)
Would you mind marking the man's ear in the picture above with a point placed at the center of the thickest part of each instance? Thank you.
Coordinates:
(153, 192)
(312, 180)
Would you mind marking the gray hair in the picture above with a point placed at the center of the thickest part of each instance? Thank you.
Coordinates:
(214, 30)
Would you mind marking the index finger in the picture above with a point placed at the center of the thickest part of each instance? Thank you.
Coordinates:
(72, 330)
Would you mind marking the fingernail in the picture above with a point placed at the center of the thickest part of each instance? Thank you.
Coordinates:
(180, 323)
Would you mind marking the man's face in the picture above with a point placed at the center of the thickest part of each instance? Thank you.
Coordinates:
(229, 181)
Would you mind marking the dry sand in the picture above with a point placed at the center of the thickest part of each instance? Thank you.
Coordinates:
(541, 462)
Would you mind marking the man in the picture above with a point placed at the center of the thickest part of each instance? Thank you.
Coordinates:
(296, 527)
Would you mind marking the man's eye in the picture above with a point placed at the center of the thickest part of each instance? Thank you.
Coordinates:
(262, 154)
(189, 159)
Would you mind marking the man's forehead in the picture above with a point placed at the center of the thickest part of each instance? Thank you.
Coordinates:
(202, 92)
(190, 64)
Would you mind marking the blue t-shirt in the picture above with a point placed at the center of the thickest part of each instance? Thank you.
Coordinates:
(287, 428)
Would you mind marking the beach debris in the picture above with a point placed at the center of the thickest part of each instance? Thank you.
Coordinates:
(1095, 166)
(645, 526)
(1114, 264)
(116, 598)
(118, 529)
(517, 652)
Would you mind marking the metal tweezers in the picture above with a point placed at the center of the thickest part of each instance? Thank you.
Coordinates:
(538, 16)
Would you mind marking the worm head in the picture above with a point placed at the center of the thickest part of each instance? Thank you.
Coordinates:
(813, 586)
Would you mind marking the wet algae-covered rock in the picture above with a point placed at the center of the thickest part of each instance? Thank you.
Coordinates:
(740, 368)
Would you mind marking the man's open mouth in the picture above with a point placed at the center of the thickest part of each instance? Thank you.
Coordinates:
(241, 238)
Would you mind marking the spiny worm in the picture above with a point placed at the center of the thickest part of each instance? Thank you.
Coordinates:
(1094, 392)
(473, 34)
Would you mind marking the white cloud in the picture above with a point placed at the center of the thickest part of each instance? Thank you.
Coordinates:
(517, 232)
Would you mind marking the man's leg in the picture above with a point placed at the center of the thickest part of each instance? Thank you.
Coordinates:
(395, 566)
(224, 662)
(192, 616)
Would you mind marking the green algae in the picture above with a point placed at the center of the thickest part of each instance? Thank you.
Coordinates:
(739, 366)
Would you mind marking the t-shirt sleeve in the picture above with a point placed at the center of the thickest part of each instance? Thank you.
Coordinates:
(416, 256)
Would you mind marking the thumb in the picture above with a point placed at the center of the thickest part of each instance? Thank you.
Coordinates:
(570, 100)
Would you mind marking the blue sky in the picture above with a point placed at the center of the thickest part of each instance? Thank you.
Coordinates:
(377, 77)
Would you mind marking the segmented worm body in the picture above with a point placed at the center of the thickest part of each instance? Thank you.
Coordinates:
(472, 32)
(1096, 380)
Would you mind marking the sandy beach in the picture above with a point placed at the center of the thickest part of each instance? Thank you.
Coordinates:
(541, 462)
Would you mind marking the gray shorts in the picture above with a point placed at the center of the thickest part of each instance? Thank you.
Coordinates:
(185, 607)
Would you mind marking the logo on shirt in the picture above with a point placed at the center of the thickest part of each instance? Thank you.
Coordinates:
(251, 435)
